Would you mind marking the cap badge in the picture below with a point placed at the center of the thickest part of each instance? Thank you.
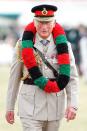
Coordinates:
(44, 11)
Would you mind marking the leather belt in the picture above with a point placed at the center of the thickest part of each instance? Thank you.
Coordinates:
(31, 82)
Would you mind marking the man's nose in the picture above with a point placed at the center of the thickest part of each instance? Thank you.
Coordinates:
(44, 25)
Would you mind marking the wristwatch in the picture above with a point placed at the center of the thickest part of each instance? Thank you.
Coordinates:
(75, 108)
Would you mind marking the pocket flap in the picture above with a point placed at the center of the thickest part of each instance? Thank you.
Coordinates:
(28, 89)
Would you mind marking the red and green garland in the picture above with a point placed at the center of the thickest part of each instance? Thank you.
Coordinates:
(62, 56)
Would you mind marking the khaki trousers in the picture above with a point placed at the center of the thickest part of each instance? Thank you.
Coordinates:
(36, 125)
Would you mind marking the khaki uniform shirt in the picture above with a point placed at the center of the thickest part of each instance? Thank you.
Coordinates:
(34, 102)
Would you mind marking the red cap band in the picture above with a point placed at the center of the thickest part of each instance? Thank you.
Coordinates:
(44, 13)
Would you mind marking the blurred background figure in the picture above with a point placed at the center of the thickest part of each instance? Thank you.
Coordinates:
(73, 36)
(8, 36)
(83, 51)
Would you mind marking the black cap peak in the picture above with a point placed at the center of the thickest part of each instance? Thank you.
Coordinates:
(41, 7)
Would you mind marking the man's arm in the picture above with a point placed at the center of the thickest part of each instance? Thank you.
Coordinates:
(72, 89)
(13, 87)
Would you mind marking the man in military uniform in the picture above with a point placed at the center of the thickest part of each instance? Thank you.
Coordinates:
(42, 94)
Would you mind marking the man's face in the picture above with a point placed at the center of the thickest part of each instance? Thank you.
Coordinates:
(44, 29)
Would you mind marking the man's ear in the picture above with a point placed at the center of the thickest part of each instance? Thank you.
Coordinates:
(54, 23)
(35, 22)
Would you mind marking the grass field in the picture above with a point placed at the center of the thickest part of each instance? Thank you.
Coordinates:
(79, 124)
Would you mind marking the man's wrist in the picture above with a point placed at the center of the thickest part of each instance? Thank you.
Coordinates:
(74, 107)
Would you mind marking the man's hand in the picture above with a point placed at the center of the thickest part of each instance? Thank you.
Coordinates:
(70, 113)
(10, 117)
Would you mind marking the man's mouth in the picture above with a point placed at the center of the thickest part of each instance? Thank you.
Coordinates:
(44, 31)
